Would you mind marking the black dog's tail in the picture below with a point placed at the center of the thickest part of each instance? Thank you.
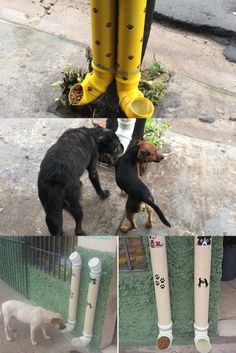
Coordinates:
(52, 198)
(150, 202)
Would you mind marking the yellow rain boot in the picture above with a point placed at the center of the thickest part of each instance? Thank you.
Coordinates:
(131, 22)
(104, 26)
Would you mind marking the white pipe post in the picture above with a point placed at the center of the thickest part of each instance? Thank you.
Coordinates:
(94, 282)
(74, 291)
(125, 131)
(157, 245)
(202, 273)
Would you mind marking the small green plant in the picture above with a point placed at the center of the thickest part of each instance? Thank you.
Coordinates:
(153, 131)
(153, 71)
(70, 77)
(154, 92)
(151, 89)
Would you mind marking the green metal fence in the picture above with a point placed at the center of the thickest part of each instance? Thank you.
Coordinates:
(47, 254)
(13, 263)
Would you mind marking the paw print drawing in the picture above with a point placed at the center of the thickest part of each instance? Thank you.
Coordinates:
(129, 26)
(90, 89)
(97, 42)
(157, 282)
(130, 57)
(95, 10)
(108, 55)
(162, 281)
(108, 24)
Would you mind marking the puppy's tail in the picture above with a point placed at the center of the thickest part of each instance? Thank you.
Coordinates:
(150, 202)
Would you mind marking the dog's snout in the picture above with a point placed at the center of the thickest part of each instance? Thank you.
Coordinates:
(62, 326)
(161, 157)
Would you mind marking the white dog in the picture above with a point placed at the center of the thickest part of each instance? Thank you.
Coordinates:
(34, 316)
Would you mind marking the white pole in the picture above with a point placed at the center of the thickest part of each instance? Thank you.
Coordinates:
(202, 273)
(157, 245)
(74, 291)
(125, 131)
(95, 276)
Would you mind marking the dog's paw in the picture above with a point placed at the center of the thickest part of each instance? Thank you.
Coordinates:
(34, 343)
(142, 207)
(105, 194)
(149, 224)
(9, 339)
(48, 337)
(123, 193)
(80, 232)
(124, 229)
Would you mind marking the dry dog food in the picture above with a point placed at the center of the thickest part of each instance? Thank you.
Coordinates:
(163, 343)
(75, 95)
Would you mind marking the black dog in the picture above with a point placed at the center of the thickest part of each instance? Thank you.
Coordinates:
(59, 177)
(127, 178)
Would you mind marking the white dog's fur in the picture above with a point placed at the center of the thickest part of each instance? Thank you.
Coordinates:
(34, 316)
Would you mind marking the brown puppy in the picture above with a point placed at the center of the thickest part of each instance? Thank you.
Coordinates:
(127, 178)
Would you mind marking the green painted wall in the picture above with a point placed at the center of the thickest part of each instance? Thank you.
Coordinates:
(138, 320)
(53, 294)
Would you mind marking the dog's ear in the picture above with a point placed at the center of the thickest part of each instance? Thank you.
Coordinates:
(96, 125)
(56, 321)
(102, 138)
(143, 154)
(141, 142)
(105, 137)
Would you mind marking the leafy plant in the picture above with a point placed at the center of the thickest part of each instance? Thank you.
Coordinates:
(154, 91)
(153, 71)
(153, 131)
(70, 77)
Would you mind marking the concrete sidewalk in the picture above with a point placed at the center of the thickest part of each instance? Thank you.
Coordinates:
(32, 61)
(196, 56)
(189, 185)
(217, 17)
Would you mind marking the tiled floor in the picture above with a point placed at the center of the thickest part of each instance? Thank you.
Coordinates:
(227, 312)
